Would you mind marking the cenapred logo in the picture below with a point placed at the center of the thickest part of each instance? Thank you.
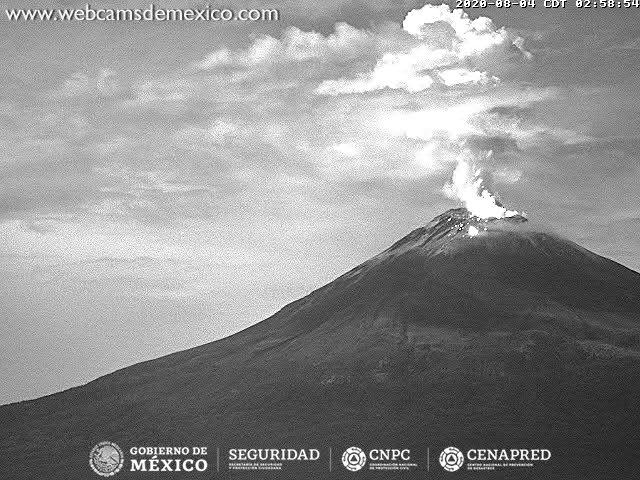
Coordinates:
(354, 459)
(451, 459)
(106, 459)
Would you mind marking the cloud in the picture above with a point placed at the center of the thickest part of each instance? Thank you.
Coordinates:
(215, 59)
(167, 95)
(392, 71)
(287, 99)
(222, 129)
(346, 149)
(447, 44)
(471, 37)
(507, 175)
(296, 45)
(104, 83)
(460, 76)
(454, 122)
(295, 94)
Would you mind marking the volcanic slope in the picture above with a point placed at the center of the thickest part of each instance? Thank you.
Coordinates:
(467, 332)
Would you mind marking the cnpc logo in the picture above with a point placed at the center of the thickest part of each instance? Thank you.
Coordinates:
(354, 458)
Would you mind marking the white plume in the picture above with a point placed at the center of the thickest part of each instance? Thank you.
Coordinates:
(466, 185)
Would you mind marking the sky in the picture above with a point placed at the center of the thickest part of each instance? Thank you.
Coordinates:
(163, 185)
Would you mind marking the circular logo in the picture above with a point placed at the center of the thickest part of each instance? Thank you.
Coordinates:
(353, 459)
(106, 459)
(451, 459)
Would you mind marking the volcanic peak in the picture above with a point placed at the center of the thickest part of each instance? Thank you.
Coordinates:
(452, 224)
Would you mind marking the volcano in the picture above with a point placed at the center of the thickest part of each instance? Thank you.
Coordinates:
(468, 332)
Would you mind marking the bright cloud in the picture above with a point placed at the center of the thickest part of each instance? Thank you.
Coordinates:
(346, 149)
(440, 53)
(460, 76)
(295, 46)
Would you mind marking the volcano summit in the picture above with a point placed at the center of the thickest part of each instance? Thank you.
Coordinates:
(484, 334)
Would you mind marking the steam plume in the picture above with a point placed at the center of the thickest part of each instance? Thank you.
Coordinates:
(467, 186)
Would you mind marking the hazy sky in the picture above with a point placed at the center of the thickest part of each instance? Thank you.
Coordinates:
(163, 185)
